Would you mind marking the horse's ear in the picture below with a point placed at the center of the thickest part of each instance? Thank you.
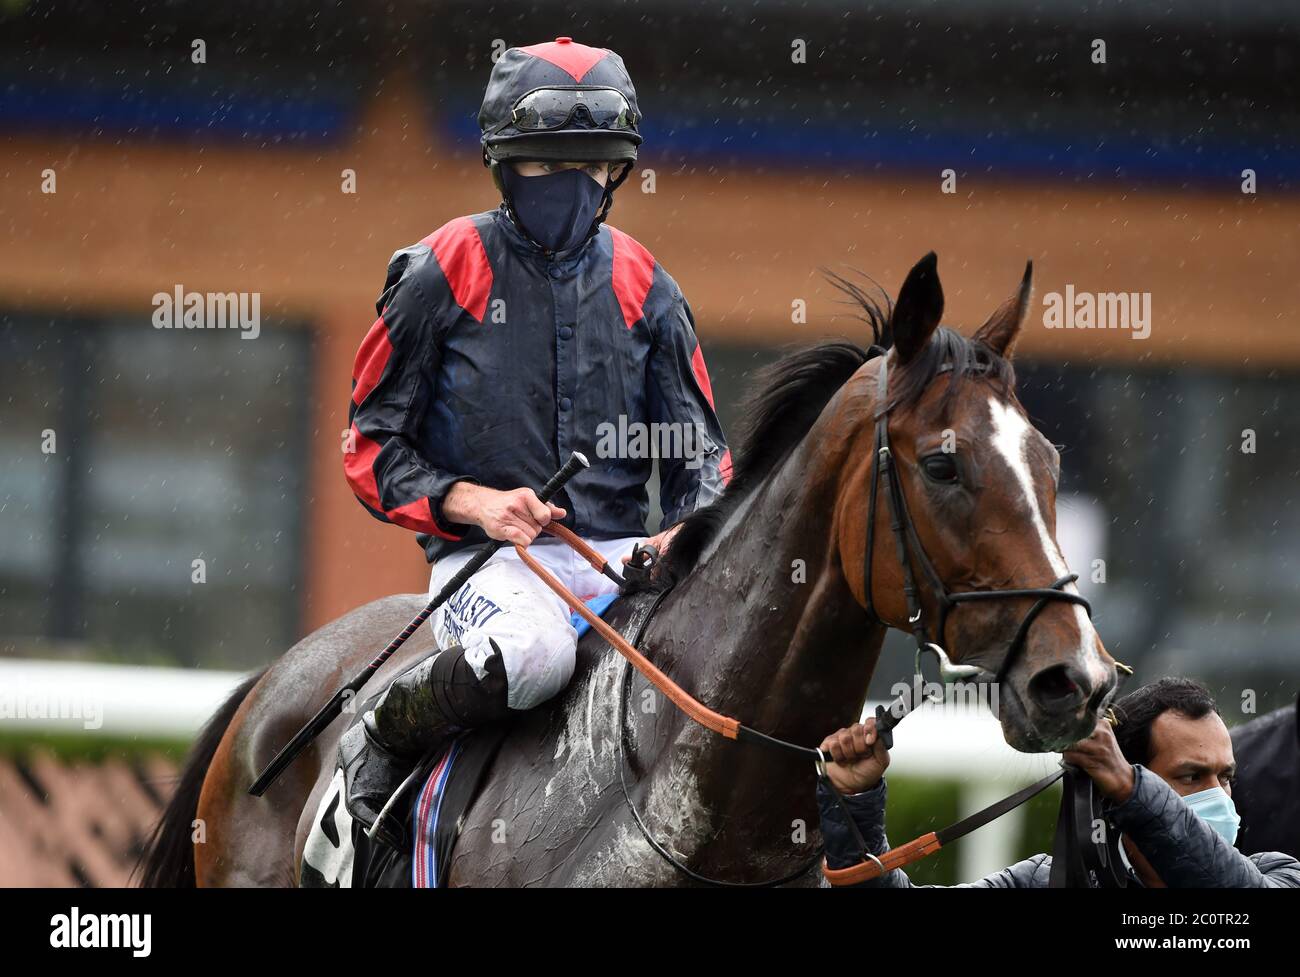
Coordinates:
(918, 309)
(1003, 326)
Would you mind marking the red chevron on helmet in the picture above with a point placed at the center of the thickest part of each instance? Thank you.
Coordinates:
(560, 101)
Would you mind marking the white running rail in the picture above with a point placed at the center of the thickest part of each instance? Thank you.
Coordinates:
(943, 742)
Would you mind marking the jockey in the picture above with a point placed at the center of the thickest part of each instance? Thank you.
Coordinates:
(505, 341)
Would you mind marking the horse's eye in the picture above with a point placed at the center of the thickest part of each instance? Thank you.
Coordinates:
(941, 467)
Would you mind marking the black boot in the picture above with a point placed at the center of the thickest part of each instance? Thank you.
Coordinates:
(428, 703)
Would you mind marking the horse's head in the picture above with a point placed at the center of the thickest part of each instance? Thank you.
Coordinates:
(978, 484)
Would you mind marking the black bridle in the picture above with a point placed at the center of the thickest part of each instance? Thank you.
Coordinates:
(908, 543)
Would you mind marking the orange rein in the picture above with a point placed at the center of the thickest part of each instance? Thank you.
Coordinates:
(699, 712)
(879, 865)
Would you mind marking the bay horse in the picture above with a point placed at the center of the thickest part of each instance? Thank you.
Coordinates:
(767, 621)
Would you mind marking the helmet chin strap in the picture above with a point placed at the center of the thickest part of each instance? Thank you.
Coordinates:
(607, 203)
(610, 187)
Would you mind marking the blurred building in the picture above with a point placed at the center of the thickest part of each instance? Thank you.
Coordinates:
(759, 169)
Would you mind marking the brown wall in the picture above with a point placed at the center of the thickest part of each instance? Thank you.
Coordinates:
(131, 219)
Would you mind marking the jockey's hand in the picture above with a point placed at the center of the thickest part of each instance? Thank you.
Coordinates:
(860, 758)
(516, 516)
(659, 541)
(1100, 758)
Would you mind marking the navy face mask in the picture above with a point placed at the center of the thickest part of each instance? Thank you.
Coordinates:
(556, 209)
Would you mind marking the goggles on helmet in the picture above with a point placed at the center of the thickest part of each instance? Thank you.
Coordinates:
(551, 109)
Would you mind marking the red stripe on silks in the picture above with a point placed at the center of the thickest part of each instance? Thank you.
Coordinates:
(359, 466)
(702, 374)
(577, 59)
(372, 357)
(634, 272)
(706, 385)
(464, 262)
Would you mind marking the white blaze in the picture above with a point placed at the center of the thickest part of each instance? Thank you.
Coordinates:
(1011, 433)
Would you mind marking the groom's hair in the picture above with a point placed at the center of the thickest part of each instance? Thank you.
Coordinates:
(1140, 708)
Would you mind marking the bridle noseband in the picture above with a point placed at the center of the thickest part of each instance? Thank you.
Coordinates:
(909, 549)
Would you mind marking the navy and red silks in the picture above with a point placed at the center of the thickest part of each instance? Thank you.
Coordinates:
(492, 360)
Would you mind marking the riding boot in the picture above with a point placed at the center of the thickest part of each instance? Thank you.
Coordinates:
(424, 706)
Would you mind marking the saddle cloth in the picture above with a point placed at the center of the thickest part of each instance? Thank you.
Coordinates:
(339, 855)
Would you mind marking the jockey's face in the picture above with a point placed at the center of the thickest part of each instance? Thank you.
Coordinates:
(600, 172)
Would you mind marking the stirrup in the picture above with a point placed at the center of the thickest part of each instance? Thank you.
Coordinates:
(384, 830)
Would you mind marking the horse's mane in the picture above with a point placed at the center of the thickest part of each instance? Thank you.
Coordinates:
(790, 394)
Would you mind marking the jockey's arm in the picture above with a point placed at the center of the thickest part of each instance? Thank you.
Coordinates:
(392, 389)
(681, 395)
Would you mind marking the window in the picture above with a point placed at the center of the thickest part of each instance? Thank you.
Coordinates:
(170, 446)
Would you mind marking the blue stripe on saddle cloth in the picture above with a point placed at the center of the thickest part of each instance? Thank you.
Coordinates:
(599, 605)
(424, 860)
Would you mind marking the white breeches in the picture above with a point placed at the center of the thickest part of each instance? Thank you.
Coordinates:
(507, 603)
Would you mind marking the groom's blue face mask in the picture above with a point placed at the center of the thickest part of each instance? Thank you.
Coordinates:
(1216, 809)
(556, 209)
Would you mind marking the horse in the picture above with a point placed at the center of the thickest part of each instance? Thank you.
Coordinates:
(766, 619)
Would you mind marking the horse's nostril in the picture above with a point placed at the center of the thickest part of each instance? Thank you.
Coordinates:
(1058, 687)
(1102, 695)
